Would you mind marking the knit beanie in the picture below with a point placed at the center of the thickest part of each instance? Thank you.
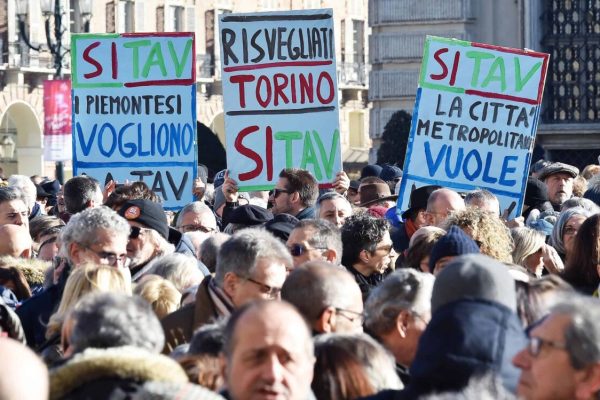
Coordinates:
(474, 276)
(454, 243)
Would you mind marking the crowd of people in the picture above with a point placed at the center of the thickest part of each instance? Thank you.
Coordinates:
(300, 293)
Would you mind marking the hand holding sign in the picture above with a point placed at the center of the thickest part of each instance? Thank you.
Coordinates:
(230, 189)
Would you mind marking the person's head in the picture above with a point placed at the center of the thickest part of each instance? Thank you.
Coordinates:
(398, 311)
(454, 243)
(562, 359)
(210, 249)
(24, 375)
(15, 242)
(180, 269)
(487, 230)
(441, 204)
(417, 204)
(590, 170)
(105, 320)
(314, 239)
(327, 296)
(97, 235)
(565, 229)
(536, 297)
(484, 200)
(528, 249)
(580, 185)
(252, 265)
(582, 268)
(295, 190)
(420, 245)
(13, 208)
(44, 225)
(160, 293)
(87, 279)
(123, 193)
(265, 355)
(333, 207)
(27, 188)
(582, 202)
(81, 192)
(375, 192)
(558, 178)
(197, 216)
(13, 279)
(149, 231)
(352, 366)
(366, 244)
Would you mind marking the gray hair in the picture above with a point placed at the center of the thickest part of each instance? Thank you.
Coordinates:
(104, 320)
(404, 289)
(324, 235)
(556, 238)
(582, 335)
(527, 241)
(197, 207)
(83, 227)
(26, 186)
(317, 285)
(486, 387)
(582, 202)
(329, 196)
(10, 194)
(180, 269)
(480, 196)
(161, 244)
(209, 250)
(240, 253)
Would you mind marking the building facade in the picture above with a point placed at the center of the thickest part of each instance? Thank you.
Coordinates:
(567, 29)
(22, 71)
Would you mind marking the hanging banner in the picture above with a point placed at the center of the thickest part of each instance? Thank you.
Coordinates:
(280, 96)
(57, 120)
(475, 120)
(134, 111)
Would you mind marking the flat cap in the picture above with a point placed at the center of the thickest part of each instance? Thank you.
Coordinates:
(557, 167)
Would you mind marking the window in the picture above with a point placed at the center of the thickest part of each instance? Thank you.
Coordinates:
(175, 19)
(358, 41)
(126, 16)
(312, 4)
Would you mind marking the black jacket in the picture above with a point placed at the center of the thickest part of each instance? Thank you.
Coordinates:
(464, 338)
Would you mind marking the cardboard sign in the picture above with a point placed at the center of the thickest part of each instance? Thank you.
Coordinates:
(475, 120)
(134, 111)
(280, 96)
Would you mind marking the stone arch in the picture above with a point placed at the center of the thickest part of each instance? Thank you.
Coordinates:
(20, 120)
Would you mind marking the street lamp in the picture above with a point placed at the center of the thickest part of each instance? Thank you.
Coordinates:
(53, 16)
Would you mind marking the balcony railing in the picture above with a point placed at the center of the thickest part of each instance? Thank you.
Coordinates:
(352, 74)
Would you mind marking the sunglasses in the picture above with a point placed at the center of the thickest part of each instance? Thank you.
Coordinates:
(276, 192)
(297, 249)
(135, 233)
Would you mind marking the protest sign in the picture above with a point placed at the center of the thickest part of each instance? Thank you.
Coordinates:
(280, 96)
(134, 111)
(475, 120)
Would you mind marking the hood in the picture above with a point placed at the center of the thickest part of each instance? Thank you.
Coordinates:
(463, 339)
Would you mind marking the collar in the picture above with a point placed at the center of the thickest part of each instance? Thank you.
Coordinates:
(222, 302)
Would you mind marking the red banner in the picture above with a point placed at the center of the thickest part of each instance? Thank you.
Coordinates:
(57, 120)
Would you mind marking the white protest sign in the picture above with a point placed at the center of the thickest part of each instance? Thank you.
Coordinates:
(475, 120)
(134, 111)
(280, 95)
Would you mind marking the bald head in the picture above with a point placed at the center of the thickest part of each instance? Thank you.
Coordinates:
(440, 204)
(16, 241)
(25, 376)
(319, 290)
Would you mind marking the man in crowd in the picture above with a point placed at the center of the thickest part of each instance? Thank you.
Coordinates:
(333, 207)
(327, 296)
(367, 250)
(295, 193)
(397, 312)
(13, 209)
(414, 217)
(267, 356)
(314, 239)
(97, 235)
(484, 200)
(81, 192)
(562, 359)
(16, 241)
(558, 178)
(196, 216)
(251, 265)
(440, 204)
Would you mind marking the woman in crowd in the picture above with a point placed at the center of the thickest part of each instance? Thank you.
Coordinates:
(581, 268)
(565, 229)
(528, 249)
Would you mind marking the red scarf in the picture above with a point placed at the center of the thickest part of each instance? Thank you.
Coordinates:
(410, 227)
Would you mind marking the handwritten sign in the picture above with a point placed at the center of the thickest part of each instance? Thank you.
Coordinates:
(134, 111)
(475, 119)
(280, 96)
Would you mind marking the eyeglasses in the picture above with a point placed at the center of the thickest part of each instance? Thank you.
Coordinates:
(136, 231)
(387, 249)
(298, 249)
(270, 291)
(197, 228)
(535, 345)
(357, 317)
(111, 259)
(276, 192)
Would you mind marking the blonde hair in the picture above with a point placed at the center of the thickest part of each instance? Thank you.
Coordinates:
(527, 241)
(160, 293)
(85, 279)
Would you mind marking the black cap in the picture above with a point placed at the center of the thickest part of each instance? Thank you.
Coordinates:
(148, 213)
(282, 225)
(418, 199)
(250, 214)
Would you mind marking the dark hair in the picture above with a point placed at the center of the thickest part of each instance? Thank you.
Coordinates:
(135, 191)
(44, 225)
(301, 181)
(78, 191)
(17, 278)
(532, 297)
(581, 266)
(420, 249)
(361, 232)
(10, 194)
(207, 340)
(203, 370)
